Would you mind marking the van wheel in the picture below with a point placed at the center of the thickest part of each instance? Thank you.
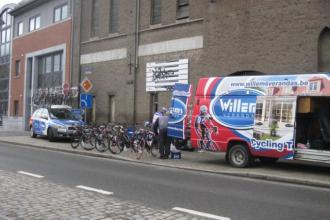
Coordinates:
(239, 156)
(50, 135)
(32, 134)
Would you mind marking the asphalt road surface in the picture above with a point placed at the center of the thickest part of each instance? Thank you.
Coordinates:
(165, 188)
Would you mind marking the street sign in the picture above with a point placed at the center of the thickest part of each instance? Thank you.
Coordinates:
(86, 101)
(86, 84)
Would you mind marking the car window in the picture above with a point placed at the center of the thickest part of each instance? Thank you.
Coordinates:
(61, 114)
(44, 113)
(36, 114)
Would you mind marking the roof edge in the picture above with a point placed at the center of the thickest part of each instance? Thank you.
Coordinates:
(6, 6)
(26, 6)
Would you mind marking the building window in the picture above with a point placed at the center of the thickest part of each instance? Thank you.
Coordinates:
(50, 70)
(48, 64)
(51, 63)
(60, 13)
(17, 67)
(95, 18)
(114, 5)
(34, 23)
(19, 28)
(5, 42)
(156, 11)
(16, 108)
(57, 62)
(182, 9)
(5, 33)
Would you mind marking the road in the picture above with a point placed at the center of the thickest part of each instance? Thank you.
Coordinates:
(165, 188)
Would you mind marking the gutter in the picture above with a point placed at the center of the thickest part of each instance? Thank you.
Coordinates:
(136, 61)
(72, 41)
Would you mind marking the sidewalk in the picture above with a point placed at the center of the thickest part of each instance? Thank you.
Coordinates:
(284, 171)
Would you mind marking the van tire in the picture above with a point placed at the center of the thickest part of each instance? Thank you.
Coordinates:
(50, 135)
(32, 134)
(239, 156)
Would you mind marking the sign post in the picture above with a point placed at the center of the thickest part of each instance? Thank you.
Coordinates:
(86, 84)
(86, 100)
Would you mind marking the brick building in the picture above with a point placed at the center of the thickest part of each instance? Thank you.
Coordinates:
(41, 51)
(117, 43)
(5, 50)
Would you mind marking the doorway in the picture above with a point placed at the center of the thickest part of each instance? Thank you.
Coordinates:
(112, 108)
(154, 106)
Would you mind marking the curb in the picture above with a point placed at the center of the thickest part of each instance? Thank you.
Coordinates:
(235, 174)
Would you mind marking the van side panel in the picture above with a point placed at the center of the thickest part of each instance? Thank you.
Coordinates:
(206, 131)
(226, 109)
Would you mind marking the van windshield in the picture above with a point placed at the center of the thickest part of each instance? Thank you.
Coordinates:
(61, 114)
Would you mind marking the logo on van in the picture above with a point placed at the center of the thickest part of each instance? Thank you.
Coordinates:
(236, 108)
(178, 111)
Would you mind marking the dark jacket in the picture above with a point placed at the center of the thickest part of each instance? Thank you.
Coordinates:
(161, 124)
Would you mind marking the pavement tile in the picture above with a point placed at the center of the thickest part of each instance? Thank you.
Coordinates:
(23, 197)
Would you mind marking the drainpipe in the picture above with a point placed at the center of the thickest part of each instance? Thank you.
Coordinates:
(79, 55)
(72, 41)
(136, 51)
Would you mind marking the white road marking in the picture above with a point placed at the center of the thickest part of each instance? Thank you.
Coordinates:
(95, 190)
(203, 214)
(30, 174)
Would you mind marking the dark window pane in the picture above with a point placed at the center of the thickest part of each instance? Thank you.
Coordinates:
(95, 18)
(48, 64)
(156, 8)
(17, 67)
(57, 62)
(182, 9)
(114, 8)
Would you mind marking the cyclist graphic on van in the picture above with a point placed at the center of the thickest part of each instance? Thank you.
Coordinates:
(204, 128)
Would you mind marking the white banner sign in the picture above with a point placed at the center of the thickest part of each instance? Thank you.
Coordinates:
(162, 76)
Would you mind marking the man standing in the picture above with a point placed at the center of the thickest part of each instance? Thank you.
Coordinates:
(160, 127)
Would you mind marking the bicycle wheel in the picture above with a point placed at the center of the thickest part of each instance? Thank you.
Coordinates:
(154, 149)
(85, 142)
(75, 140)
(139, 149)
(113, 146)
(100, 144)
(121, 143)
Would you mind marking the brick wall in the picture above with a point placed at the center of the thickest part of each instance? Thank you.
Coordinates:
(34, 41)
(275, 36)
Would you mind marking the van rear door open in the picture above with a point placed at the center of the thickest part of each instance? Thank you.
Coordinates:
(273, 129)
